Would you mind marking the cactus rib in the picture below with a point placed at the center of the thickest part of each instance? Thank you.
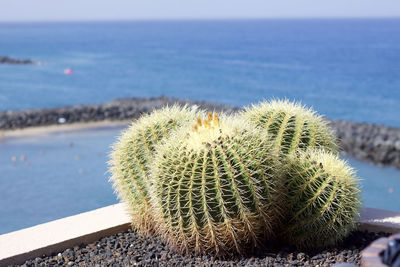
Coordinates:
(220, 198)
(322, 199)
(292, 126)
(132, 154)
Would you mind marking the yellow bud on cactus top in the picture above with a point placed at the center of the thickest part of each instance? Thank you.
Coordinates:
(205, 130)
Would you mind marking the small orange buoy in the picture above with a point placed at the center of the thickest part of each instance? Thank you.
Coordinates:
(68, 71)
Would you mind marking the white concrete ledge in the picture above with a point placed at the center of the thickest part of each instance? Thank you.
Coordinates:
(375, 220)
(56, 236)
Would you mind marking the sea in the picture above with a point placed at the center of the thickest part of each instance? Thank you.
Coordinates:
(346, 69)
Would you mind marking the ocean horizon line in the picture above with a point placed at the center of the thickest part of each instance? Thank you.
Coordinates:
(329, 18)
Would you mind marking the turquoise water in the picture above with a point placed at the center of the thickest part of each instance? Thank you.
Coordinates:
(347, 69)
(380, 185)
(67, 174)
(62, 174)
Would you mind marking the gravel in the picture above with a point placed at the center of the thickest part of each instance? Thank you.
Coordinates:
(130, 249)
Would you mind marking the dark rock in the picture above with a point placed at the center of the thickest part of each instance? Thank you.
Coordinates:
(119, 109)
(7, 60)
(374, 143)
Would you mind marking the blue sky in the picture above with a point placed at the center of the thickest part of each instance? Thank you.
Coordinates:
(61, 10)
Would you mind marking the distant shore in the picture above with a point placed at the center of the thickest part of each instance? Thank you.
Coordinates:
(14, 61)
(374, 143)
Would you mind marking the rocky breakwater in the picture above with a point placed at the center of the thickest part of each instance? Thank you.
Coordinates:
(375, 143)
(8, 60)
(119, 109)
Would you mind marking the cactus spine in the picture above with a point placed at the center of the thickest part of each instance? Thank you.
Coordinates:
(292, 126)
(222, 185)
(322, 199)
(213, 187)
(132, 153)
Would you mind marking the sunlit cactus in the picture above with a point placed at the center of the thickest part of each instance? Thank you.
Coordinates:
(210, 184)
(292, 126)
(323, 199)
(132, 154)
(213, 187)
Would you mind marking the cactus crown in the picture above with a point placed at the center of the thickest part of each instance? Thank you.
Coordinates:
(204, 130)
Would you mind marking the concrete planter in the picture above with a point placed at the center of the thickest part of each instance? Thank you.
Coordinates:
(56, 236)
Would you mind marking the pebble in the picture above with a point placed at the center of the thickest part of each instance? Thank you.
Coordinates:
(135, 249)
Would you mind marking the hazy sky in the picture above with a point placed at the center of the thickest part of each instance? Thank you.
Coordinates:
(44, 10)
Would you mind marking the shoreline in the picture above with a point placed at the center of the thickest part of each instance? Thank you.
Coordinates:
(50, 129)
(368, 142)
(115, 110)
